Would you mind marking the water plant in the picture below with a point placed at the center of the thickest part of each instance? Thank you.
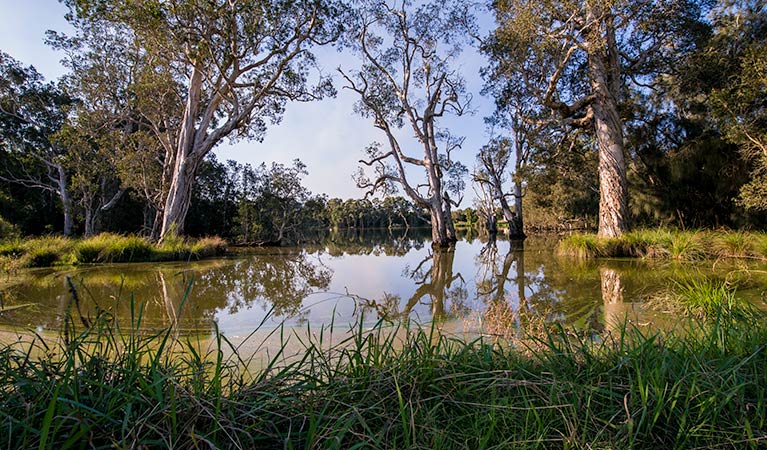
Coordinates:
(735, 244)
(388, 387)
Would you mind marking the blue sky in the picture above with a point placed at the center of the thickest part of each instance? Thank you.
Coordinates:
(325, 135)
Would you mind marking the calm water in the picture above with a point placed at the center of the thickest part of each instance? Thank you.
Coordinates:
(479, 287)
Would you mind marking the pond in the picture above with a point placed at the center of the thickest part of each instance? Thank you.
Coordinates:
(480, 287)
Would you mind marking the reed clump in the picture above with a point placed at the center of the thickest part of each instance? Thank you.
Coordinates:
(104, 248)
(390, 387)
(667, 244)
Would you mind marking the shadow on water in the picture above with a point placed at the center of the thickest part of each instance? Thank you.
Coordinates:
(489, 286)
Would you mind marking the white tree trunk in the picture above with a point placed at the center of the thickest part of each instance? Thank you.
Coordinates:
(179, 196)
(66, 200)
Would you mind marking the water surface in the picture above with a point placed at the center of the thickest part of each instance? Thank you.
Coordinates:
(480, 287)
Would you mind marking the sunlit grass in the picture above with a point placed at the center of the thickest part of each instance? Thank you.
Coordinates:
(678, 245)
(109, 248)
(104, 248)
(582, 246)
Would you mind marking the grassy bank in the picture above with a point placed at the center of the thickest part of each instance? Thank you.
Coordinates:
(100, 387)
(104, 248)
(680, 245)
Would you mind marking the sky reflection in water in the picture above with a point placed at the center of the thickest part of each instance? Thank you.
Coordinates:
(373, 275)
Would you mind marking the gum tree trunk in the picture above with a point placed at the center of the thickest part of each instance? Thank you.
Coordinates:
(66, 200)
(604, 72)
(179, 196)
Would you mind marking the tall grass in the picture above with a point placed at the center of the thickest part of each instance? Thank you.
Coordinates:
(104, 248)
(678, 245)
(390, 388)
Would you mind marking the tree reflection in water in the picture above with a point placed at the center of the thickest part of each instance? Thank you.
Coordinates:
(504, 309)
(436, 285)
(279, 280)
(612, 298)
(474, 283)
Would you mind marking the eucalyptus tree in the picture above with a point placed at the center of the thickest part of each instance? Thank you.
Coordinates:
(228, 69)
(94, 185)
(125, 99)
(408, 54)
(493, 173)
(578, 59)
(31, 112)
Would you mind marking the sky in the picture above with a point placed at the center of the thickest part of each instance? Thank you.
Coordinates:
(326, 135)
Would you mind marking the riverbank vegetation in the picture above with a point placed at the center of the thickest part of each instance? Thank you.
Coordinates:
(390, 387)
(670, 244)
(103, 248)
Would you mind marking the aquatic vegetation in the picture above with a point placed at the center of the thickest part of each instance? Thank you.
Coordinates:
(389, 387)
(109, 248)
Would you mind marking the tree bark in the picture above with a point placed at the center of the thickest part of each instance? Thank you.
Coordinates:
(604, 71)
(612, 298)
(90, 221)
(180, 195)
(605, 84)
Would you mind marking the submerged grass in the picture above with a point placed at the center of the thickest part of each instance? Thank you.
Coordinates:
(388, 387)
(104, 248)
(678, 245)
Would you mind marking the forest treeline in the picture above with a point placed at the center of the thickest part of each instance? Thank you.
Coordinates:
(611, 115)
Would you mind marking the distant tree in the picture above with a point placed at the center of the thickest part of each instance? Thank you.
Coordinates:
(89, 144)
(493, 174)
(740, 105)
(216, 198)
(408, 76)
(274, 199)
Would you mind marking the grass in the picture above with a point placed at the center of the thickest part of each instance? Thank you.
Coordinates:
(104, 248)
(667, 244)
(704, 298)
(389, 387)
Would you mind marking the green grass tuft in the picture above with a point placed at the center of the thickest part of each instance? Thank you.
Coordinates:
(112, 248)
(709, 299)
(582, 246)
(104, 248)
(665, 244)
(735, 244)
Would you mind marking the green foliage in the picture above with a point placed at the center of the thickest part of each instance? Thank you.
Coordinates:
(582, 246)
(739, 103)
(8, 231)
(47, 251)
(710, 299)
